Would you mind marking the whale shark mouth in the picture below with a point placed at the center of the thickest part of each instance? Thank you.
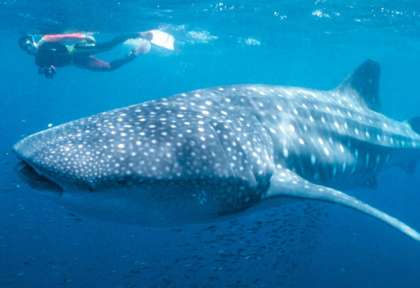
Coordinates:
(35, 180)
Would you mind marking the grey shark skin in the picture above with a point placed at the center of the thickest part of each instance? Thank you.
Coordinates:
(211, 152)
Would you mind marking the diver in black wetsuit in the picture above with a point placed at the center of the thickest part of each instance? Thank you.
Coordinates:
(79, 49)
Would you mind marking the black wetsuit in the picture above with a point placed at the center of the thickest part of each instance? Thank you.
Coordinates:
(58, 54)
(53, 53)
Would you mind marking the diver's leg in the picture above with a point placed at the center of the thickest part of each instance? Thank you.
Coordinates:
(142, 48)
(92, 63)
(108, 45)
(87, 50)
(95, 64)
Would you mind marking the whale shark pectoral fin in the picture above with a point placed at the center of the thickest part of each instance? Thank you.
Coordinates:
(287, 183)
(365, 82)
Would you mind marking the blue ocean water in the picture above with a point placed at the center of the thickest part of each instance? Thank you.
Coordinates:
(298, 244)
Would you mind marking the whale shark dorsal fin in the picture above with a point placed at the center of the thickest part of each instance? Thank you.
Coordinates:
(364, 81)
(286, 183)
(415, 124)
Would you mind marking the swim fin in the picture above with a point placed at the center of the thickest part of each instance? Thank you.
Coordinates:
(162, 39)
(156, 37)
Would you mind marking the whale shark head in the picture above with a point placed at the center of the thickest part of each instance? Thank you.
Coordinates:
(157, 156)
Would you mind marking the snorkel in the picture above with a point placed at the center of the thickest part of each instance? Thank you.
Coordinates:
(28, 44)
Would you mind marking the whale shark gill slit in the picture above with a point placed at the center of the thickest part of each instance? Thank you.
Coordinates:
(364, 81)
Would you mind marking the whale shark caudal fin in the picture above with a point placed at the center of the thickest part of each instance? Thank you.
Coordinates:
(286, 183)
(365, 82)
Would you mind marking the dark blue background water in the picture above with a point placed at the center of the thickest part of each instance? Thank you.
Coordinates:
(299, 244)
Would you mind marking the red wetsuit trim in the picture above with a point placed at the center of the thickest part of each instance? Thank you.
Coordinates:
(60, 37)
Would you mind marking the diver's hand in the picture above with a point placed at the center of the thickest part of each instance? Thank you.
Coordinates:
(48, 71)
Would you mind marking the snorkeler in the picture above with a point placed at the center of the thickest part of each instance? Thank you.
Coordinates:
(79, 49)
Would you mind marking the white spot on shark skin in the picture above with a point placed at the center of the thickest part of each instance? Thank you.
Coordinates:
(292, 128)
(336, 125)
(285, 152)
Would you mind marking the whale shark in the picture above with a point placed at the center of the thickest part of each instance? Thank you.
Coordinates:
(201, 155)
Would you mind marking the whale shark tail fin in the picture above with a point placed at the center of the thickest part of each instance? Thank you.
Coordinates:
(415, 124)
(286, 183)
(364, 81)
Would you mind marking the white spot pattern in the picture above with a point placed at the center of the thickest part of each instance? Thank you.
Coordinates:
(225, 135)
